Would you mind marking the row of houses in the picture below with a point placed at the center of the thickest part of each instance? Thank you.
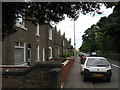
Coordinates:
(32, 43)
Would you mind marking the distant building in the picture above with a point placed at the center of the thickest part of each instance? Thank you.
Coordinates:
(32, 43)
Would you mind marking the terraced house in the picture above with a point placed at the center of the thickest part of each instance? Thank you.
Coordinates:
(32, 43)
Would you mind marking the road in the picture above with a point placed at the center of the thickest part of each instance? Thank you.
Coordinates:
(75, 79)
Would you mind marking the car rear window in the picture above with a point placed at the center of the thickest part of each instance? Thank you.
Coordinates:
(97, 62)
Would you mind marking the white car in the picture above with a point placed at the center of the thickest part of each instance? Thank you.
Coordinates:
(96, 67)
(93, 54)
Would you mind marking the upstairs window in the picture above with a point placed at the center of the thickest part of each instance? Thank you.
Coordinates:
(63, 43)
(50, 52)
(38, 30)
(50, 34)
(20, 22)
(58, 50)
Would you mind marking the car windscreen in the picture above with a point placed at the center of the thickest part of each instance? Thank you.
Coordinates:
(97, 62)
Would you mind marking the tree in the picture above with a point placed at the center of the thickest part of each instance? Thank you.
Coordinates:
(110, 26)
(10, 13)
(89, 39)
(104, 36)
(69, 46)
(43, 12)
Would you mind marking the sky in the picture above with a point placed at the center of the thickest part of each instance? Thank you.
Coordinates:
(81, 24)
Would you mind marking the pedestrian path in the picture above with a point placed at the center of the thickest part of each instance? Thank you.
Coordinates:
(74, 78)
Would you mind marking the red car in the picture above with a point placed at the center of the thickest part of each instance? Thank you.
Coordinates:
(83, 58)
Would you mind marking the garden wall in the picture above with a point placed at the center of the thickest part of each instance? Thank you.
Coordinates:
(40, 75)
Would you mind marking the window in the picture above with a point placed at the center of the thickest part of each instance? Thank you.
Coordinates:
(19, 53)
(38, 30)
(50, 52)
(29, 54)
(43, 54)
(20, 23)
(58, 51)
(63, 43)
(96, 62)
(50, 34)
(38, 53)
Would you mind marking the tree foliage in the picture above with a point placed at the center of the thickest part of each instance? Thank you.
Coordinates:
(105, 35)
(43, 12)
(9, 15)
(69, 46)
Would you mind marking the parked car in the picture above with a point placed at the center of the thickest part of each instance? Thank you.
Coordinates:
(96, 67)
(82, 59)
(93, 54)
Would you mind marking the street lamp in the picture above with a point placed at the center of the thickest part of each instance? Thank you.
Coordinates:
(74, 41)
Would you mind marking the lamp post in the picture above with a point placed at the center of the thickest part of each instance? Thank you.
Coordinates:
(74, 41)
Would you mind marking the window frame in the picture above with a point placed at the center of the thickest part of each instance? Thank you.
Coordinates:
(50, 34)
(63, 43)
(58, 50)
(20, 23)
(43, 54)
(50, 56)
(21, 47)
(38, 53)
(38, 30)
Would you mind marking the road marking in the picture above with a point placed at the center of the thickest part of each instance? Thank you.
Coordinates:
(115, 66)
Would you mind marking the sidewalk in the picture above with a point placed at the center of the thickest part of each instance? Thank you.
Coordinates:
(74, 78)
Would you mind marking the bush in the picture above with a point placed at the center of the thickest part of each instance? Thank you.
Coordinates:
(62, 55)
(66, 54)
(100, 53)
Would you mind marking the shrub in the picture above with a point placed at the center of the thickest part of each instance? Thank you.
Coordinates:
(66, 54)
(62, 55)
(100, 53)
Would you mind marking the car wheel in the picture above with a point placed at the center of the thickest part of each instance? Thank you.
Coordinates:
(108, 79)
(81, 73)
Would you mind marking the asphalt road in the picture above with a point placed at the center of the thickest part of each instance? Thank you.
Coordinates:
(75, 79)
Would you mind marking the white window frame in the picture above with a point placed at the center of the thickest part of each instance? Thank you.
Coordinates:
(38, 30)
(50, 34)
(50, 52)
(21, 24)
(24, 52)
(43, 54)
(58, 51)
(23, 47)
(38, 53)
(63, 43)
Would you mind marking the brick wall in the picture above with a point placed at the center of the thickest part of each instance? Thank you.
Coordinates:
(66, 66)
(40, 75)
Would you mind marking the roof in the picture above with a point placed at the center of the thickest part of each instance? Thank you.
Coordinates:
(97, 57)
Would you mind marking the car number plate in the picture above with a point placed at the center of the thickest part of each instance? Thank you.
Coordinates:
(98, 75)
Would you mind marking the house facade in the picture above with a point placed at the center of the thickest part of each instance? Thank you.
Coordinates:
(32, 43)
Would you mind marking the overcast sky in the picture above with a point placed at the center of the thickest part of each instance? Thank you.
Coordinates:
(83, 23)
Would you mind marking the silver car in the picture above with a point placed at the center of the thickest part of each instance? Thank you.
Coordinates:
(96, 67)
